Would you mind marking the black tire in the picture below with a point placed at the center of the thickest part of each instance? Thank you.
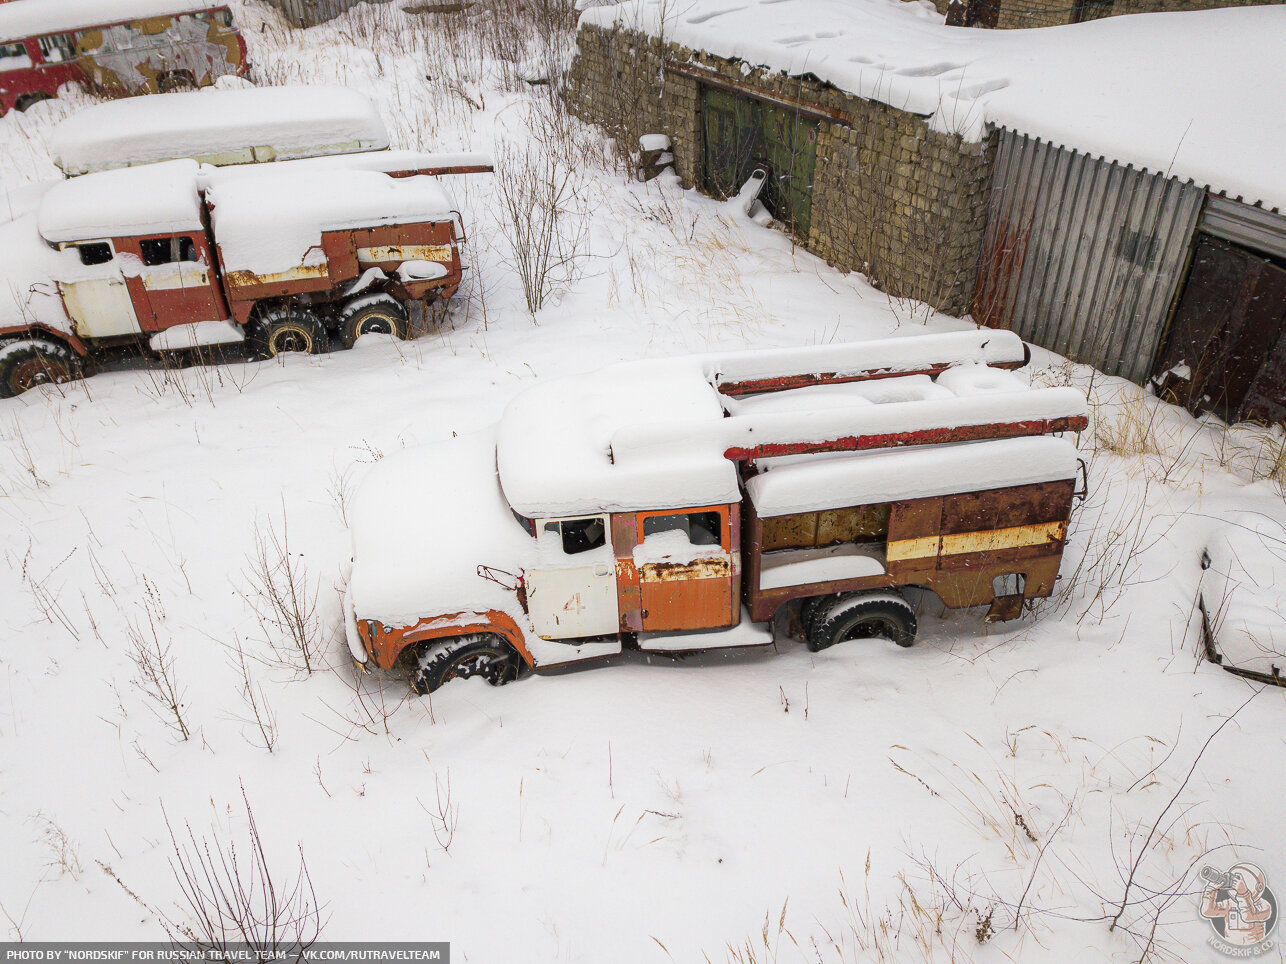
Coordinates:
(809, 607)
(289, 328)
(26, 100)
(863, 617)
(372, 314)
(460, 657)
(28, 362)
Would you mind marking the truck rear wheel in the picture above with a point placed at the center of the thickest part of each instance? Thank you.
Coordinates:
(862, 616)
(29, 362)
(372, 314)
(289, 328)
(460, 657)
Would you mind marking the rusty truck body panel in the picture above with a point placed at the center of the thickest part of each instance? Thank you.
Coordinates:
(950, 479)
(158, 45)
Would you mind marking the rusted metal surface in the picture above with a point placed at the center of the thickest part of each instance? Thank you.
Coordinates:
(807, 380)
(448, 169)
(385, 644)
(1083, 256)
(934, 436)
(1224, 351)
(65, 337)
(955, 545)
(129, 57)
(797, 105)
(665, 596)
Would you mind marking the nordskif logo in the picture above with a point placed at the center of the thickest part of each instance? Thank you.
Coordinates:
(1240, 909)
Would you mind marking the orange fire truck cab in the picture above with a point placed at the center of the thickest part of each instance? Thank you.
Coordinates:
(684, 504)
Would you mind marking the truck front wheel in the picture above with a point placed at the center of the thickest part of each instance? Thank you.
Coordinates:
(287, 329)
(29, 362)
(370, 315)
(460, 657)
(862, 616)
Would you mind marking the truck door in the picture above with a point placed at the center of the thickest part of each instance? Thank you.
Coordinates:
(685, 569)
(176, 282)
(571, 592)
(101, 306)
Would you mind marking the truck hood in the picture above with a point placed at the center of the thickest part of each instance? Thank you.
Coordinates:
(28, 270)
(423, 521)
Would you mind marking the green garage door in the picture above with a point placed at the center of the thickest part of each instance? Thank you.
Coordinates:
(742, 134)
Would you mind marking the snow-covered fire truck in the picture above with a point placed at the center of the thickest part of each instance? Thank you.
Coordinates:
(176, 256)
(684, 504)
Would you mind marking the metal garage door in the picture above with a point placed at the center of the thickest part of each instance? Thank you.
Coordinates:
(1083, 256)
(741, 134)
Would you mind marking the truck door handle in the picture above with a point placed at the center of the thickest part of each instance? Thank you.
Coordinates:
(602, 569)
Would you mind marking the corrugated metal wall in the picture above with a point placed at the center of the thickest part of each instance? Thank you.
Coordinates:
(308, 13)
(1083, 256)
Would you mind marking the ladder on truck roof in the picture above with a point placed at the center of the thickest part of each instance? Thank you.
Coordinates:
(959, 400)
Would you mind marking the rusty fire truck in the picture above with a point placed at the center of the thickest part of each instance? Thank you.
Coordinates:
(122, 47)
(177, 256)
(683, 504)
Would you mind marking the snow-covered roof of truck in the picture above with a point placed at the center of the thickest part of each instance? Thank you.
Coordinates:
(218, 127)
(267, 219)
(156, 199)
(1195, 94)
(655, 434)
(815, 483)
(29, 18)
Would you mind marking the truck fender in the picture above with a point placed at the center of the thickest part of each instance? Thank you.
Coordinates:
(387, 643)
(44, 331)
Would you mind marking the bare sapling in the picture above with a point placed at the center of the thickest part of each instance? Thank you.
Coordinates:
(444, 814)
(231, 903)
(542, 218)
(285, 599)
(258, 717)
(155, 674)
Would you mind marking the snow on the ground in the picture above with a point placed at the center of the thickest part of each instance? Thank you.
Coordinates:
(647, 809)
(1196, 95)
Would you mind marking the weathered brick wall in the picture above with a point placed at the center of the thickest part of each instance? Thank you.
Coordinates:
(1121, 7)
(891, 198)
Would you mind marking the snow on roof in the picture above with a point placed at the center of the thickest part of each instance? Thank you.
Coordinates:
(887, 475)
(1193, 94)
(654, 434)
(218, 126)
(29, 18)
(268, 219)
(156, 199)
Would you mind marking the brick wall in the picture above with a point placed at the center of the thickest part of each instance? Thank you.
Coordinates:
(891, 198)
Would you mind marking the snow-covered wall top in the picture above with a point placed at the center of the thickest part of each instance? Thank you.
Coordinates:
(1194, 94)
(27, 18)
(218, 125)
(156, 199)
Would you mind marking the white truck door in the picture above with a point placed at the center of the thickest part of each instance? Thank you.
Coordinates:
(102, 306)
(571, 592)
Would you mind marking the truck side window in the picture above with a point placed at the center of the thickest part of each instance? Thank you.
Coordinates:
(166, 250)
(701, 528)
(10, 54)
(97, 252)
(57, 48)
(579, 535)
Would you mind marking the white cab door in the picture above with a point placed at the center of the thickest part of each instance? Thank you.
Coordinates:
(571, 592)
(100, 306)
